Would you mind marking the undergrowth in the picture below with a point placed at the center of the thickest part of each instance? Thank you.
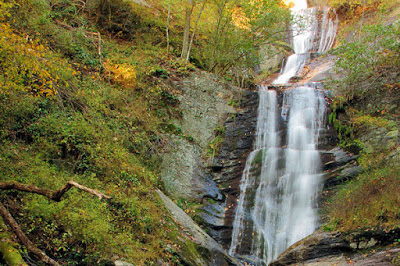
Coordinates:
(365, 114)
(73, 108)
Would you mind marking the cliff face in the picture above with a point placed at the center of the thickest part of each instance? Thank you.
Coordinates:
(211, 109)
(227, 168)
(205, 105)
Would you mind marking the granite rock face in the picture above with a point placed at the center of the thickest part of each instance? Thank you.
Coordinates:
(204, 103)
(184, 173)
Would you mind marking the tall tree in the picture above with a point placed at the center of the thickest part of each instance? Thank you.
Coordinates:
(186, 32)
(194, 29)
(241, 26)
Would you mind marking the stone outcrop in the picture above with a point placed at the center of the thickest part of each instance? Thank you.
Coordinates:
(204, 103)
(271, 56)
(333, 248)
(184, 173)
(341, 167)
(216, 255)
(317, 245)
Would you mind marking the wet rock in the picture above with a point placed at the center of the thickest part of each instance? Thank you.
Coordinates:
(342, 175)
(213, 214)
(322, 248)
(368, 238)
(318, 245)
(227, 168)
(340, 158)
(339, 167)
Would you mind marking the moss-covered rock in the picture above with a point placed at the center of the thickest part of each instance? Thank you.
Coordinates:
(8, 248)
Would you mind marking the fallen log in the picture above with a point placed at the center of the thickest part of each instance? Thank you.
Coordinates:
(9, 248)
(54, 195)
(23, 238)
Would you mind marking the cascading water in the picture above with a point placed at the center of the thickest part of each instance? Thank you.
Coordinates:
(281, 180)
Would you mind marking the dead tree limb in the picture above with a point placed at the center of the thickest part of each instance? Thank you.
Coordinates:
(54, 195)
(51, 194)
(23, 238)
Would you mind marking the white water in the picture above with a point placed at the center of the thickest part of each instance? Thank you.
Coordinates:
(304, 30)
(281, 181)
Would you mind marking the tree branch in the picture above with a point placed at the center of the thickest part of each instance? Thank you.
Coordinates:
(54, 195)
(51, 194)
(24, 239)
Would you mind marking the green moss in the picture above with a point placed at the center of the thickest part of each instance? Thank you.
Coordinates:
(258, 158)
(8, 248)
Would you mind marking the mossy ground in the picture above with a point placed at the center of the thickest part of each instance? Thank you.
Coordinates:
(77, 106)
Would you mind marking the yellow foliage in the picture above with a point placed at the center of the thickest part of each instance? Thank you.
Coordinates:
(26, 64)
(240, 19)
(358, 5)
(122, 74)
(4, 7)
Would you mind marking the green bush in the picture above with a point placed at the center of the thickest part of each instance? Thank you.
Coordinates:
(364, 61)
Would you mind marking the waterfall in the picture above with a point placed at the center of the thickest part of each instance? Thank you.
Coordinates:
(281, 180)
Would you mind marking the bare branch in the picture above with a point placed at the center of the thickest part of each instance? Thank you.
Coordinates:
(51, 194)
(23, 238)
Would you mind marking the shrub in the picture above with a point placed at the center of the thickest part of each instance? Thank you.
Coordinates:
(368, 58)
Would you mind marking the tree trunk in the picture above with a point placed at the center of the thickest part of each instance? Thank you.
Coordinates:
(51, 194)
(194, 29)
(186, 31)
(167, 29)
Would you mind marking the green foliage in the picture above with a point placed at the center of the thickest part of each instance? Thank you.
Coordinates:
(364, 61)
(233, 103)
(63, 120)
(369, 201)
(83, 96)
(126, 19)
(215, 144)
(242, 26)
(368, 68)
(343, 128)
(258, 158)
